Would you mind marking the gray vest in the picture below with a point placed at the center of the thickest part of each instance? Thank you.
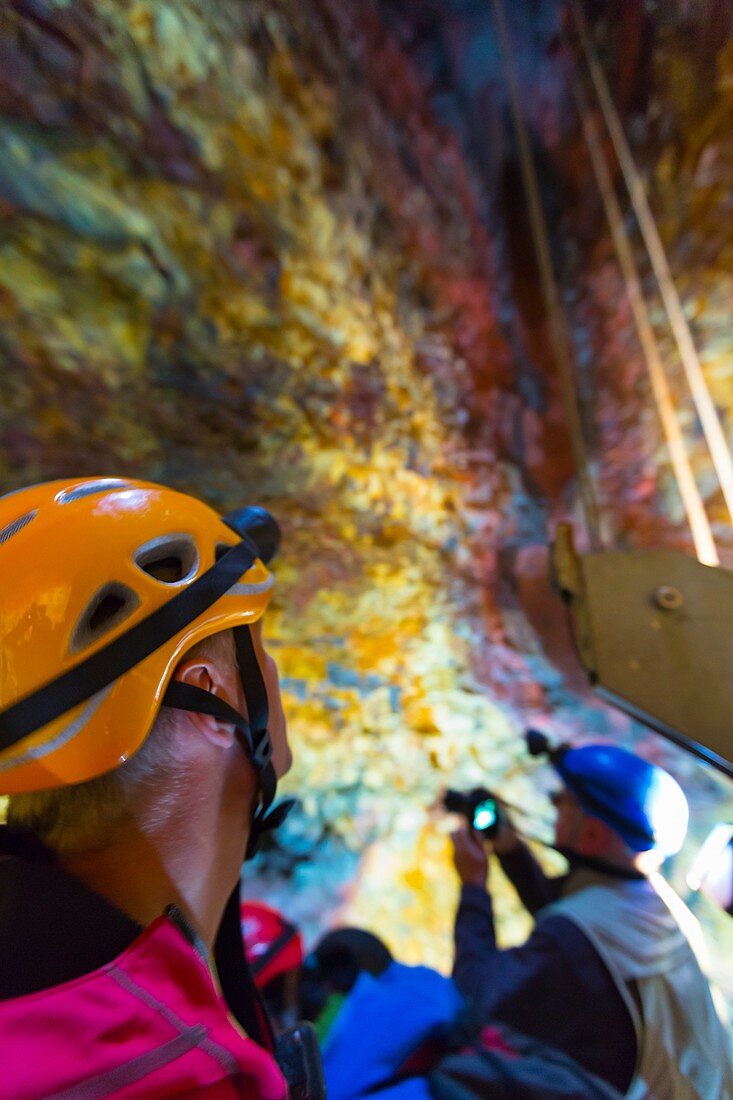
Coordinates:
(647, 936)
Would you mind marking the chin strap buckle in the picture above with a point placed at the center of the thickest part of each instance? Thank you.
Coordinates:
(261, 754)
(265, 822)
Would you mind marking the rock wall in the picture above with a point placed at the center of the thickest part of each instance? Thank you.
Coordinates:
(239, 256)
(669, 67)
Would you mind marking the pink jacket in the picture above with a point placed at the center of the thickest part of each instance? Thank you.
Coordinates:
(150, 1024)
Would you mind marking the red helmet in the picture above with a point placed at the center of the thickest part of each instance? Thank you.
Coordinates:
(272, 944)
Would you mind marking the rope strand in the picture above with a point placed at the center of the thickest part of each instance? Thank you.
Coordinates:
(704, 404)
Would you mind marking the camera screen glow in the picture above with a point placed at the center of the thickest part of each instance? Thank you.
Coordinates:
(484, 816)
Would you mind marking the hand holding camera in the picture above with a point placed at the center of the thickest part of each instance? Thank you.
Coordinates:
(470, 857)
(488, 828)
(486, 816)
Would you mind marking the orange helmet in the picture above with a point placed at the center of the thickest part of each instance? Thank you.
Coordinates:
(106, 583)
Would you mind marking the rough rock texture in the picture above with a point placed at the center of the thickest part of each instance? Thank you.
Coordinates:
(669, 67)
(240, 254)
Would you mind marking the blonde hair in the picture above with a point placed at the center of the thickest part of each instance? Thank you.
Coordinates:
(86, 816)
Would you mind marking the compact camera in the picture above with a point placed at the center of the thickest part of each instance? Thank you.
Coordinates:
(479, 807)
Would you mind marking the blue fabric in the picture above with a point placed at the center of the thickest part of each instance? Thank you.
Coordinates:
(381, 1023)
(414, 1088)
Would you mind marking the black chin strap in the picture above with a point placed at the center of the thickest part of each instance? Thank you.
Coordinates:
(598, 864)
(235, 976)
(253, 735)
(257, 748)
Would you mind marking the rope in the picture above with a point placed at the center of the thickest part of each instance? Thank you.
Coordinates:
(559, 335)
(694, 508)
(706, 411)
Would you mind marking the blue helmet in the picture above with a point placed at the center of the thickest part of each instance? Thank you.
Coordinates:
(638, 800)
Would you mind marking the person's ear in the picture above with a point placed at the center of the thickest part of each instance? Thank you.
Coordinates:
(204, 674)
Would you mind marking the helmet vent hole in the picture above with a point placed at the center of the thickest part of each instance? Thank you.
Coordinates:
(168, 570)
(171, 559)
(16, 526)
(109, 607)
(105, 611)
(91, 488)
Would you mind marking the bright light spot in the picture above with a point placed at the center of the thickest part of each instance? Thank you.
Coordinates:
(710, 856)
(668, 814)
(485, 816)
